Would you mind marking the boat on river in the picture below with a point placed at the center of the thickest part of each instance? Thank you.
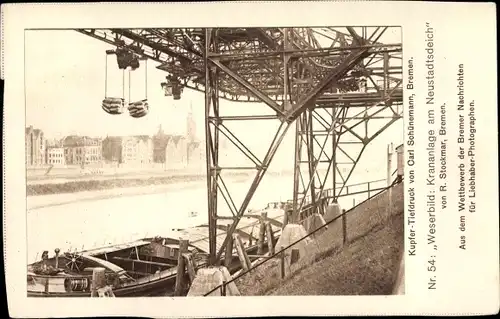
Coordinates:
(145, 267)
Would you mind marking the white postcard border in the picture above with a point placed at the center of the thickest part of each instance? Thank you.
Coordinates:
(478, 273)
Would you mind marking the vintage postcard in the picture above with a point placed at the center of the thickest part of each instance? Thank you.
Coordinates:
(300, 158)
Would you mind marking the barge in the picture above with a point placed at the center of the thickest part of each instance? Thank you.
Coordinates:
(145, 267)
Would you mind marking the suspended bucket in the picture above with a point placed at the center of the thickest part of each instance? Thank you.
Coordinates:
(113, 105)
(139, 108)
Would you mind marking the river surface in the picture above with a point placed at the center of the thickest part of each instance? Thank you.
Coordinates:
(86, 223)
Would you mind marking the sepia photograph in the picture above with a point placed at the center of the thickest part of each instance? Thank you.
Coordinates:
(216, 161)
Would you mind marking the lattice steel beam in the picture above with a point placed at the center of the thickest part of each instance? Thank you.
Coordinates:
(300, 73)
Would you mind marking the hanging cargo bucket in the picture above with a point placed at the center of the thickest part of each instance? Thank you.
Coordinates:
(139, 108)
(113, 105)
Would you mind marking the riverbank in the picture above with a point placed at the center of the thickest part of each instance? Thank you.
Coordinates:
(89, 185)
(97, 184)
(118, 183)
(62, 175)
(43, 201)
(121, 188)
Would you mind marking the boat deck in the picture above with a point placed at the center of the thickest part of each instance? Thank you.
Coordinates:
(248, 229)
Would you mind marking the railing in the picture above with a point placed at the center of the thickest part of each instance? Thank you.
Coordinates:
(328, 193)
(324, 198)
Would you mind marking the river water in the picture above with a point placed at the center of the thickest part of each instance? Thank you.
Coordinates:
(91, 223)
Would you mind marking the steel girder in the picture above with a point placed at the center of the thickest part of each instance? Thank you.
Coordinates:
(332, 136)
(297, 72)
(329, 144)
(256, 54)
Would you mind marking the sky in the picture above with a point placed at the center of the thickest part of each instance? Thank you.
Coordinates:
(65, 84)
(65, 81)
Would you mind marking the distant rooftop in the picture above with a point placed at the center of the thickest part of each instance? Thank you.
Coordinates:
(75, 140)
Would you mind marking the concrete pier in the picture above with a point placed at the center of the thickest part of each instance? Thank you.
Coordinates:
(314, 222)
(332, 211)
(210, 278)
(290, 234)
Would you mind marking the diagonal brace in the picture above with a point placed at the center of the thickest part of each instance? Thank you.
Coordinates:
(278, 138)
(351, 60)
(263, 97)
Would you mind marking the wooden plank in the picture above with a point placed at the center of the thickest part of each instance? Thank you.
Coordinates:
(274, 222)
(145, 280)
(242, 255)
(294, 257)
(344, 226)
(105, 292)
(223, 288)
(239, 231)
(98, 280)
(112, 248)
(183, 248)
(228, 258)
(190, 266)
(262, 233)
(282, 262)
(145, 262)
(270, 238)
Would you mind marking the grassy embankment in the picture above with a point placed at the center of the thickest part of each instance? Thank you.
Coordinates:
(110, 183)
(366, 265)
(103, 184)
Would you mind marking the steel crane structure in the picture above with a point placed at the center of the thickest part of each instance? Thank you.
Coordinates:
(331, 82)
